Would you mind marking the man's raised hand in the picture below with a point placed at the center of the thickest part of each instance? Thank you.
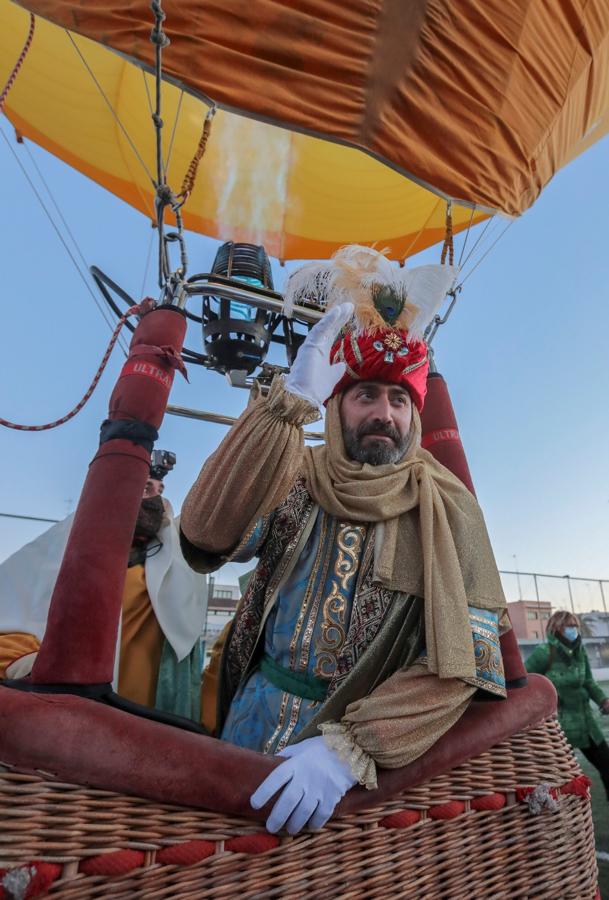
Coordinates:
(312, 376)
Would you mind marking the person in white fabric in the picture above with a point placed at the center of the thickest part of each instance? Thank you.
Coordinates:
(159, 656)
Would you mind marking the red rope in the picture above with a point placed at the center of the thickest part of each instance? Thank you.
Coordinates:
(18, 64)
(449, 810)
(138, 309)
(489, 802)
(260, 842)
(402, 819)
(578, 786)
(186, 854)
(118, 862)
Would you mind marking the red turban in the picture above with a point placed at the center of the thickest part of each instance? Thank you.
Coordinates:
(383, 355)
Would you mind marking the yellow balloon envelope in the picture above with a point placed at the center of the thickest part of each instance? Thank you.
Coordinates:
(479, 102)
(300, 196)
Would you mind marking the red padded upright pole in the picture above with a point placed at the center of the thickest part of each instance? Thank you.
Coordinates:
(80, 639)
(440, 431)
(440, 435)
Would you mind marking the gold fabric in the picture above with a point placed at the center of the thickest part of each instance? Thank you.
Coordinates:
(431, 539)
(141, 642)
(14, 645)
(211, 681)
(412, 707)
(249, 474)
(397, 722)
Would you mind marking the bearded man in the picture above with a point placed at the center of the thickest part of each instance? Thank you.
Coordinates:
(373, 614)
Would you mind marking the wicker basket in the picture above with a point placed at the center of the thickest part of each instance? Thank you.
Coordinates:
(469, 833)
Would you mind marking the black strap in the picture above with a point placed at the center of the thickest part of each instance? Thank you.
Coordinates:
(517, 682)
(103, 693)
(128, 430)
(90, 691)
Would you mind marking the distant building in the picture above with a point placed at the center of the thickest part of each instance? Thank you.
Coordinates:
(595, 624)
(221, 606)
(529, 619)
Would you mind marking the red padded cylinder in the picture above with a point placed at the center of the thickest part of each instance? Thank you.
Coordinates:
(80, 639)
(440, 435)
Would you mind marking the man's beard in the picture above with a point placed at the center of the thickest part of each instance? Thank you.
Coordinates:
(149, 519)
(375, 453)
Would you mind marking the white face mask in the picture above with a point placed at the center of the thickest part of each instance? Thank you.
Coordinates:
(571, 632)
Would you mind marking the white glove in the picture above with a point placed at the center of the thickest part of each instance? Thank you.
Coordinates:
(22, 666)
(313, 778)
(312, 376)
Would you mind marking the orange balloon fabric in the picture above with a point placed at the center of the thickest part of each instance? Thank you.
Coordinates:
(482, 101)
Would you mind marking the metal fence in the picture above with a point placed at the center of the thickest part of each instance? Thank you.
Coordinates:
(580, 595)
(544, 594)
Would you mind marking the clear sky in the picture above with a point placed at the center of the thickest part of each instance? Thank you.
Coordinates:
(525, 354)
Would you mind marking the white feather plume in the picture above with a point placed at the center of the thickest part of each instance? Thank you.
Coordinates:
(426, 287)
(355, 271)
(308, 284)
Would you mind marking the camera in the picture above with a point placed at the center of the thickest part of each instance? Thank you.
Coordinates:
(161, 462)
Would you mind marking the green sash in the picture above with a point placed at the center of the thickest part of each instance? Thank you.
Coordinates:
(299, 683)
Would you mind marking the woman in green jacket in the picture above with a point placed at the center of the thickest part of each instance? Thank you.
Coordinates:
(563, 659)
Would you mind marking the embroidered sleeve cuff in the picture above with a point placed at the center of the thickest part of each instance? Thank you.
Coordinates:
(251, 542)
(339, 738)
(289, 407)
(205, 561)
(489, 676)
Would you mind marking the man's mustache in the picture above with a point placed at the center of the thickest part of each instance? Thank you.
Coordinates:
(379, 427)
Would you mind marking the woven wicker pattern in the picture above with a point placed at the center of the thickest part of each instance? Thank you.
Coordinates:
(499, 853)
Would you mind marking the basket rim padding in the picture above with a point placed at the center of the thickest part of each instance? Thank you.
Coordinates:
(79, 740)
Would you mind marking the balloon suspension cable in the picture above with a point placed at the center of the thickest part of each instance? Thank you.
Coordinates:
(3, 97)
(432, 328)
(164, 195)
(171, 280)
(467, 233)
(160, 41)
(437, 320)
(138, 310)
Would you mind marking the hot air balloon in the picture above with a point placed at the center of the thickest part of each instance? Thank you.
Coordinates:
(357, 123)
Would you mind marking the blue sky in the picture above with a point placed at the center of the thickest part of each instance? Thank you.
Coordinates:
(525, 354)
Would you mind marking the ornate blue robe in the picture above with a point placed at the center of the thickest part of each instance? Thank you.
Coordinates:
(311, 609)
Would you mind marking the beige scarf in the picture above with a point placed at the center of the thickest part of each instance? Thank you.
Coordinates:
(430, 541)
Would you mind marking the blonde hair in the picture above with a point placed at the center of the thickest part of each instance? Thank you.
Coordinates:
(557, 621)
